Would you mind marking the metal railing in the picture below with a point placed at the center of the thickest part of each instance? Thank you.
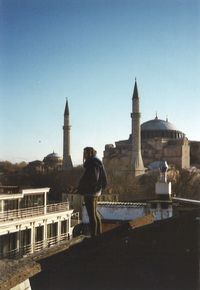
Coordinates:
(36, 247)
(17, 253)
(33, 211)
(62, 206)
(186, 200)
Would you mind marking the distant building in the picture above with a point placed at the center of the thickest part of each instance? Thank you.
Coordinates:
(160, 140)
(35, 166)
(28, 223)
(53, 162)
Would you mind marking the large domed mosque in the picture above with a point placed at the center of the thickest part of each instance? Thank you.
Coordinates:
(159, 140)
(51, 162)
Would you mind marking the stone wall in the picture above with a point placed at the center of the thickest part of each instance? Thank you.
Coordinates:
(175, 152)
(195, 153)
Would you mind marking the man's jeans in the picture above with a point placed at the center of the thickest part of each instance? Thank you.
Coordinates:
(94, 217)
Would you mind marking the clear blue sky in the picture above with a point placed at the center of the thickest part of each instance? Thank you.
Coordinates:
(90, 51)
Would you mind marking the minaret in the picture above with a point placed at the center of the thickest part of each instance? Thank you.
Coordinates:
(67, 161)
(136, 161)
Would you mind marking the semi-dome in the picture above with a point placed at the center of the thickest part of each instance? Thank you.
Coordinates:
(160, 128)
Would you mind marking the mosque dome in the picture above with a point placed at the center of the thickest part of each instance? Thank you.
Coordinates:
(160, 128)
(52, 156)
(52, 159)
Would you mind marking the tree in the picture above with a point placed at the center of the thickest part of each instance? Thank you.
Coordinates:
(187, 184)
(8, 167)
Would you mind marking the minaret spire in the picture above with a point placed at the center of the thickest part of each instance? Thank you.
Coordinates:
(135, 91)
(136, 162)
(66, 108)
(67, 161)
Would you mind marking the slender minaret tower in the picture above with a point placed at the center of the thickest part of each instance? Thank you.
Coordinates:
(136, 161)
(67, 161)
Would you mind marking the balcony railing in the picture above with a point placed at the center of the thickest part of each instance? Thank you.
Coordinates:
(33, 211)
(63, 206)
(36, 247)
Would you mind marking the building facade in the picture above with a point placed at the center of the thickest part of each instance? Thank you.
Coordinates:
(28, 223)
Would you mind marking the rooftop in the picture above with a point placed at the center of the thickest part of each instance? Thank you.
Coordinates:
(163, 255)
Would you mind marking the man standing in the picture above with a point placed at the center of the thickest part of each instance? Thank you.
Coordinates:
(90, 186)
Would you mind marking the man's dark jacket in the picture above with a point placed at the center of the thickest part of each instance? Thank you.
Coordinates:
(94, 177)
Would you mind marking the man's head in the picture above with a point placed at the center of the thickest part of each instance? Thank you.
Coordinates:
(89, 152)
